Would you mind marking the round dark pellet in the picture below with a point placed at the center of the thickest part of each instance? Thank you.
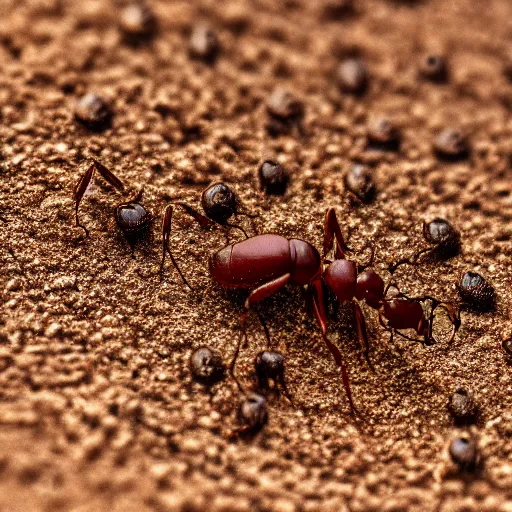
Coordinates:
(253, 412)
(464, 453)
(204, 44)
(137, 22)
(93, 112)
(352, 76)
(219, 202)
(442, 234)
(434, 67)
(383, 133)
(284, 106)
(269, 365)
(359, 181)
(476, 291)
(206, 365)
(451, 144)
(462, 405)
(273, 178)
(132, 218)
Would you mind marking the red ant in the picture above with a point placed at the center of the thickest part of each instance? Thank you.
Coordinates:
(266, 263)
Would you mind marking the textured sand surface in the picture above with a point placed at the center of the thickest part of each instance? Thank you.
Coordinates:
(98, 411)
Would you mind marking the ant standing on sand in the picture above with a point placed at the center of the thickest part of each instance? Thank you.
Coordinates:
(266, 263)
(218, 202)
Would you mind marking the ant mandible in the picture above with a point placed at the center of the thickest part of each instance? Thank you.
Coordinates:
(266, 263)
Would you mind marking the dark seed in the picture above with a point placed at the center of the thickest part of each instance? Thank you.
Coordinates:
(462, 405)
(219, 202)
(253, 412)
(383, 133)
(434, 68)
(476, 291)
(441, 233)
(93, 112)
(273, 177)
(132, 218)
(269, 365)
(359, 181)
(464, 453)
(507, 346)
(284, 106)
(138, 22)
(451, 144)
(204, 44)
(352, 76)
(206, 365)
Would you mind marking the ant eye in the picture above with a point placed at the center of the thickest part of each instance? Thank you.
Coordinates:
(441, 233)
(269, 365)
(273, 177)
(219, 202)
(132, 219)
(206, 365)
(476, 291)
(253, 412)
(464, 453)
(359, 181)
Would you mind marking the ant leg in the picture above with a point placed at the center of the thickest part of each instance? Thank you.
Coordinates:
(166, 232)
(79, 191)
(240, 228)
(82, 184)
(408, 338)
(286, 393)
(265, 328)
(319, 310)
(332, 231)
(198, 217)
(453, 315)
(257, 295)
(108, 176)
(361, 329)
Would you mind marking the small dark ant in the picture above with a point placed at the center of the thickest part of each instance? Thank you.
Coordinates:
(206, 365)
(218, 201)
(269, 366)
(252, 415)
(442, 236)
(477, 292)
(266, 263)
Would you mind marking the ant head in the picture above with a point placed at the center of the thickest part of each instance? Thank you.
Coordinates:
(219, 202)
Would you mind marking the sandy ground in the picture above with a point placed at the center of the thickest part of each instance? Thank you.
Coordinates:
(98, 410)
